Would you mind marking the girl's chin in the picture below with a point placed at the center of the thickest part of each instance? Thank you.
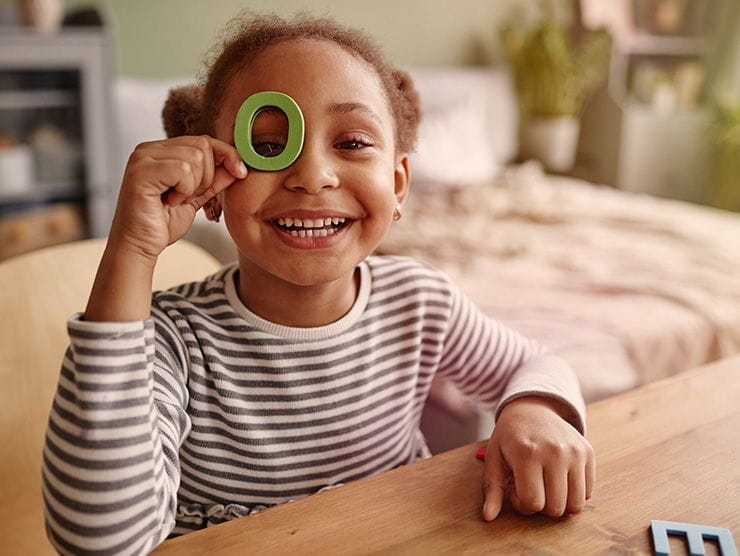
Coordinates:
(318, 274)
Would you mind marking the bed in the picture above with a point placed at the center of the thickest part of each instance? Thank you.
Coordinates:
(628, 288)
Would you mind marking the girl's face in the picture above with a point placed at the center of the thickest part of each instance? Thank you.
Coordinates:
(314, 221)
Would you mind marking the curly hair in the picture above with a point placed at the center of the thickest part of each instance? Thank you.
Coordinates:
(246, 35)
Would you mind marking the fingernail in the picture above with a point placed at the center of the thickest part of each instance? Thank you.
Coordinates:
(485, 511)
(242, 169)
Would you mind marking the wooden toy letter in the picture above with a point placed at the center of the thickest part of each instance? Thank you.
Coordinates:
(245, 117)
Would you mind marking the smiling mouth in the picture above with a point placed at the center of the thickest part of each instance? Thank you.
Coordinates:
(311, 227)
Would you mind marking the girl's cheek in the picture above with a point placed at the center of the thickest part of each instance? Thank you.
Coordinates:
(231, 204)
(241, 192)
(245, 200)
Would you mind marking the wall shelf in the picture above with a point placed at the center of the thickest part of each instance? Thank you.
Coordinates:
(45, 192)
(60, 84)
(34, 100)
(661, 45)
(648, 130)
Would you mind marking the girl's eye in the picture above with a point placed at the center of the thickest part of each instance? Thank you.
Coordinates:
(268, 148)
(354, 143)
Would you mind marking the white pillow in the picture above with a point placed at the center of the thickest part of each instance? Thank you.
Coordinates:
(476, 109)
(454, 147)
(138, 103)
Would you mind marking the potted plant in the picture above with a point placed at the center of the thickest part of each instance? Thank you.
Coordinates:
(554, 75)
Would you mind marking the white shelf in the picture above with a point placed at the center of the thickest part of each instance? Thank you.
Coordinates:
(34, 100)
(628, 46)
(44, 191)
(660, 45)
(87, 52)
(643, 110)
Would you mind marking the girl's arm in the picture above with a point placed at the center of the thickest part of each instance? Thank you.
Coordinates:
(164, 185)
(536, 458)
(122, 289)
(495, 365)
(110, 465)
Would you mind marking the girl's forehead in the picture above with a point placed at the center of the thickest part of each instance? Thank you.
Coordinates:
(311, 71)
(324, 51)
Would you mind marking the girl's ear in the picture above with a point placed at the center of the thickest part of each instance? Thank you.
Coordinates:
(182, 111)
(402, 177)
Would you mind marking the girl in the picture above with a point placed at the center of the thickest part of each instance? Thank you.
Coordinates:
(307, 364)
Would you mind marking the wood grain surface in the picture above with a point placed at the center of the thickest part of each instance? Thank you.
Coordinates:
(669, 450)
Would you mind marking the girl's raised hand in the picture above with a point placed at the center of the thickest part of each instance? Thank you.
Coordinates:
(538, 459)
(164, 185)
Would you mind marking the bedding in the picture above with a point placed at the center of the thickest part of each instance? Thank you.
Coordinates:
(628, 288)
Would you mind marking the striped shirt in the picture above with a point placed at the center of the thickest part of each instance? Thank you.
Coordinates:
(206, 412)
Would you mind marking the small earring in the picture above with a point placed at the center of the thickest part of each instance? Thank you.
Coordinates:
(397, 212)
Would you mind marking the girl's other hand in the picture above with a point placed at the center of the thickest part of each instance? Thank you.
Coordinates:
(164, 185)
(538, 459)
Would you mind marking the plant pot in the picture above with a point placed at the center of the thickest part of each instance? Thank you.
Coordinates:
(552, 141)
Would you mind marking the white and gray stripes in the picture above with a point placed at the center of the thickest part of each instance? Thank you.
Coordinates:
(206, 412)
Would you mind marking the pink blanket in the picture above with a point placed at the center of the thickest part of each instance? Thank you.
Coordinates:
(628, 288)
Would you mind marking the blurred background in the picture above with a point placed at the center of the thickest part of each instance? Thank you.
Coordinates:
(577, 175)
(641, 95)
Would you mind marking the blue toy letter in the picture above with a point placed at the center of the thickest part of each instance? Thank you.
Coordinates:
(695, 535)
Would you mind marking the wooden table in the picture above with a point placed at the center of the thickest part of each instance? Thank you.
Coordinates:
(669, 450)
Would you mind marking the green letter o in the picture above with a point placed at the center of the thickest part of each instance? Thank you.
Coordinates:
(243, 131)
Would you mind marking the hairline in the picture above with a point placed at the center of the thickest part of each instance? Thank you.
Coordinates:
(244, 65)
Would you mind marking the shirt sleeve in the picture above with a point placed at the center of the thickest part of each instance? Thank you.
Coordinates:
(494, 365)
(110, 469)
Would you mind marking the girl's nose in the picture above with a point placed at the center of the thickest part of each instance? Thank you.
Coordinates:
(311, 173)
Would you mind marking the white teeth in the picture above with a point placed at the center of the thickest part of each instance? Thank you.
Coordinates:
(294, 233)
(309, 223)
(301, 233)
(331, 231)
(322, 233)
(309, 233)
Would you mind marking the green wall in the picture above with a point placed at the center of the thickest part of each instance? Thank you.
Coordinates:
(166, 38)
(728, 78)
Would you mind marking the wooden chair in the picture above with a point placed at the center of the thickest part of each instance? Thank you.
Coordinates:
(38, 293)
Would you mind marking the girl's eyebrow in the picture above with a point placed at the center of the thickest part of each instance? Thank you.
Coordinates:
(345, 107)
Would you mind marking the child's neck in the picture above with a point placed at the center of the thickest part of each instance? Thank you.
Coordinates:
(287, 304)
